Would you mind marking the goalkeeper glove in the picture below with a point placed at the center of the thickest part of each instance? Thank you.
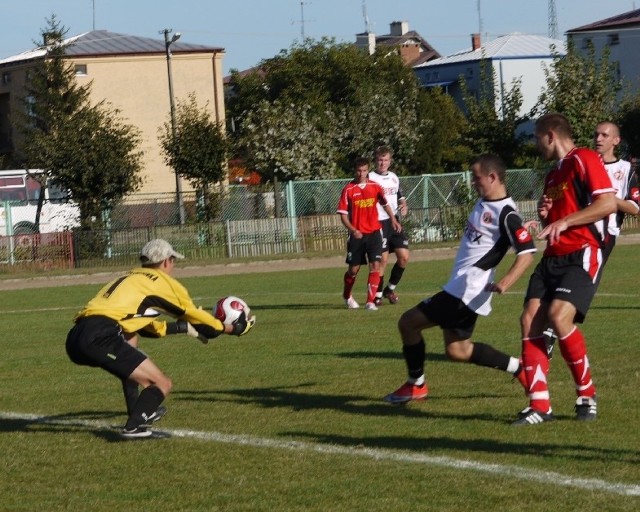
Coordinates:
(242, 326)
(185, 327)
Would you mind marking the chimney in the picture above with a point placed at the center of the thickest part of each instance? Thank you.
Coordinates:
(475, 42)
(399, 28)
(367, 40)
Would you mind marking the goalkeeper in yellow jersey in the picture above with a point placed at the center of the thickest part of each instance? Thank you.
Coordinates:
(106, 330)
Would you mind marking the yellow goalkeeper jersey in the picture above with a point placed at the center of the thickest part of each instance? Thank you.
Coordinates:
(137, 299)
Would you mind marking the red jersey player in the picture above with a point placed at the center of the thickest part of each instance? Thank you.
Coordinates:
(577, 200)
(358, 212)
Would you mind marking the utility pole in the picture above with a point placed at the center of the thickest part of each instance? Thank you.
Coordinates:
(167, 46)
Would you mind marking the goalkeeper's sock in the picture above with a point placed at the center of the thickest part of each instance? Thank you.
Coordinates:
(148, 403)
(131, 394)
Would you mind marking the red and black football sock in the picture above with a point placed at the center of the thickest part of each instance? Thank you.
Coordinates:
(574, 352)
(349, 281)
(372, 285)
(535, 363)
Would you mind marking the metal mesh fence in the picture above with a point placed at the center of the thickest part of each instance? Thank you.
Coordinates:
(246, 224)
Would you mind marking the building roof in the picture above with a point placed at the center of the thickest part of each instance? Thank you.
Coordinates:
(511, 46)
(625, 20)
(410, 37)
(104, 43)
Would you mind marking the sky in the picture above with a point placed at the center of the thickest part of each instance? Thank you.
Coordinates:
(253, 30)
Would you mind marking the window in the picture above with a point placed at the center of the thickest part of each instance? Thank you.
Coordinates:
(586, 42)
(6, 78)
(469, 72)
(81, 69)
(613, 39)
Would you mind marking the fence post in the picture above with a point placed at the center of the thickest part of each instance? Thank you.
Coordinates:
(227, 224)
(291, 209)
(425, 193)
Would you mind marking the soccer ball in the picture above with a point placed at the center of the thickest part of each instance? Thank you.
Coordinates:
(228, 309)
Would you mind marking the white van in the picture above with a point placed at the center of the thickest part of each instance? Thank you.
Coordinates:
(19, 193)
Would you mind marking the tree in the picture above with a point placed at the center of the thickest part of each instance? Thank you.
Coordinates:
(196, 151)
(285, 142)
(491, 128)
(582, 87)
(629, 120)
(87, 149)
(439, 147)
(346, 101)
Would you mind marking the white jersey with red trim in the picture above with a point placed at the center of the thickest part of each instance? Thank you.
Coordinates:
(626, 185)
(492, 227)
(392, 192)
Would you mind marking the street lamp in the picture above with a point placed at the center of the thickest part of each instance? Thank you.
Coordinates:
(167, 45)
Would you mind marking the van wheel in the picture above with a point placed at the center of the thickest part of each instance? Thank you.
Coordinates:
(25, 228)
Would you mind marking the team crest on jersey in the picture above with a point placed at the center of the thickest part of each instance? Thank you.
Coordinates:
(523, 236)
(487, 218)
(618, 175)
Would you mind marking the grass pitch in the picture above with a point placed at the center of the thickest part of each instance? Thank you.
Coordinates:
(290, 417)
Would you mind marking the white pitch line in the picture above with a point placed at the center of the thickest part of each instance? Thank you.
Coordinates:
(518, 472)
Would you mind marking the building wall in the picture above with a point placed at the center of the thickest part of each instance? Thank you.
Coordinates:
(138, 87)
(530, 72)
(624, 52)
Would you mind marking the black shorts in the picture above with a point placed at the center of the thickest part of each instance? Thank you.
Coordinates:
(450, 313)
(98, 341)
(391, 239)
(368, 248)
(571, 278)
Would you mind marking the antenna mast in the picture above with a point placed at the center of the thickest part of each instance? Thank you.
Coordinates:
(480, 27)
(553, 20)
(367, 23)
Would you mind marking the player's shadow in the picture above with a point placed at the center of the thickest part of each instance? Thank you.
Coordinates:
(615, 307)
(294, 307)
(386, 355)
(93, 422)
(290, 398)
(438, 444)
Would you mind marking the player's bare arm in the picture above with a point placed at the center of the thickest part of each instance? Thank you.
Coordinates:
(350, 227)
(522, 262)
(403, 208)
(544, 205)
(603, 205)
(394, 222)
(627, 206)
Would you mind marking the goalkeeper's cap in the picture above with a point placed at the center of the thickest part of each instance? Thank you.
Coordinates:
(158, 250)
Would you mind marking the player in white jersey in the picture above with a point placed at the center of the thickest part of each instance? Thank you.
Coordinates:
(493, 226)
(392, 240)
(606, 139)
